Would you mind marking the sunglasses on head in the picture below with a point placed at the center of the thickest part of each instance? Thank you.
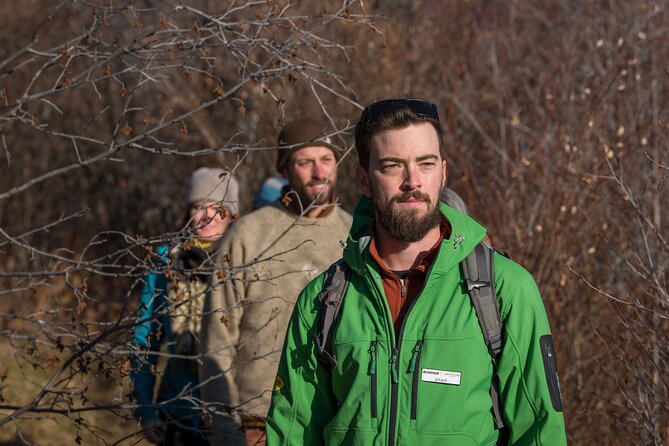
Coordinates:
(418, 106)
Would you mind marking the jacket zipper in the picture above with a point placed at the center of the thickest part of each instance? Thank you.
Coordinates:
(395, 353)
(414, 367)
(394, 363)
(372, 374)
(393, 394)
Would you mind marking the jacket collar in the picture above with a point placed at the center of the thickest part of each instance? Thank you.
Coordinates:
(465, 234)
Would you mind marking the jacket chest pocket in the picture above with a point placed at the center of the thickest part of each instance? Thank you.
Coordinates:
(414, 369)
(450, 385)
(357, 381)
(373, 379)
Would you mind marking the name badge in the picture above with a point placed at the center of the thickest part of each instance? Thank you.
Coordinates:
(441, 377)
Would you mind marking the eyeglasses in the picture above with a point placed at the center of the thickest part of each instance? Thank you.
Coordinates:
(418, 106)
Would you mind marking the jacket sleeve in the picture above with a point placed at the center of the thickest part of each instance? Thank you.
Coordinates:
(527, 369)
(222, 314)
(302, 403)
(148, 335)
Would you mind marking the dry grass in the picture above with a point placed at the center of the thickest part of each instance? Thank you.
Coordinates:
(21, 381)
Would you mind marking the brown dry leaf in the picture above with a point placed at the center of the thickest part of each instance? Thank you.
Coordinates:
(80, 308)
(124, 369)
(127, 130)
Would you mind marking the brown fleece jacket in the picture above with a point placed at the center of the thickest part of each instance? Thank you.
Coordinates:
(265, 260)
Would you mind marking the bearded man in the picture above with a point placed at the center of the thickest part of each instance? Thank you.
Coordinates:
(408, 361)
(264, 262)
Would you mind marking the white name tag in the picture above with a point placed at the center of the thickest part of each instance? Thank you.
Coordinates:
(440, 376)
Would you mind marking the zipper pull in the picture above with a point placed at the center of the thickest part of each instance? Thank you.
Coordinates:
(393, 367)
(372, 363)
(414, 356)
(404, 287)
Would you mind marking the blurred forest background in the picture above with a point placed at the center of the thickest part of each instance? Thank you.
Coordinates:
(557, 124)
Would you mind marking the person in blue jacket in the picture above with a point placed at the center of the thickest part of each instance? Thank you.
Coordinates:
(164, 372)
(269, 192)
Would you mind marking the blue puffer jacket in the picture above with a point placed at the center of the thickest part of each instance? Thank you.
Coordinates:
(152, 334)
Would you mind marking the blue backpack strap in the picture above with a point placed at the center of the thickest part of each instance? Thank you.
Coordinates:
(335, 284)
(477, 268)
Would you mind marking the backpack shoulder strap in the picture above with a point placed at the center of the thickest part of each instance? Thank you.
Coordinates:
(335, 284)
(478, 271)
(477, 268)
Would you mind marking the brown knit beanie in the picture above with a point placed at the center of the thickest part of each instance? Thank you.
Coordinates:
(305, 132)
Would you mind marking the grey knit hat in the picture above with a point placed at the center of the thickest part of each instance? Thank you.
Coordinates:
(214, 185)
(302, 133)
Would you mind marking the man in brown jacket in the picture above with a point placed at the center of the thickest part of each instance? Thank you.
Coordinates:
(264, 262)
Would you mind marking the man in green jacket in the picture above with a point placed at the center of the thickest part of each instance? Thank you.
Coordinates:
(412, 366)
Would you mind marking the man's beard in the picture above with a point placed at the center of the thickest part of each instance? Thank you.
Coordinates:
(320, 199)
(406, 225)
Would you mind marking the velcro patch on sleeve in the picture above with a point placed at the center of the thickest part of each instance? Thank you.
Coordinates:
(550, 367)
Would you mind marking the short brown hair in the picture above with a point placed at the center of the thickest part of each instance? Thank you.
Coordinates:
(391, 114)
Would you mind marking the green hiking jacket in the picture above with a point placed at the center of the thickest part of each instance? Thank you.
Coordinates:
(432, 387)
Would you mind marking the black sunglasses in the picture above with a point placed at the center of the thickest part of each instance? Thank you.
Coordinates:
(418, 106)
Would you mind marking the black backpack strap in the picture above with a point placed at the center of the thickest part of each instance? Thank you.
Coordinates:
(478, 273)
(332, 295)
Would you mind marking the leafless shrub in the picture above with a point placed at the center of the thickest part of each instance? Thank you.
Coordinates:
(105, 106)
(556, 138)
(556, 134)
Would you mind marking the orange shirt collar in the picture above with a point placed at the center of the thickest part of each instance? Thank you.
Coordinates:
(445, 228)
